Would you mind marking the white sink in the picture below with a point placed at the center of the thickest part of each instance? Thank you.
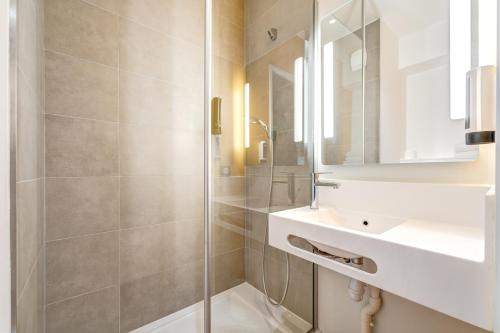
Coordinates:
(431, 243)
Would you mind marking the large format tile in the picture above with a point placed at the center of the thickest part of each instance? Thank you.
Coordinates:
(228, 270)
(151, 200)
(79, 206)
(81, 265)
(30, 57)
(155, 296)
(154, 151)
(151, 53)
(95, 312)
(178, 18)
(149, 250)
(82, 30)
(111, 5)
(30, 124)
(80, 88)
(30, 306)
(146, 299)
(30, 227)
(76, 147)
(146, 100)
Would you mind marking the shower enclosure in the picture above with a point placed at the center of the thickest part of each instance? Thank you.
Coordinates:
(151, 139)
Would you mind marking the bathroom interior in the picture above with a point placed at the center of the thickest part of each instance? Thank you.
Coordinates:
(253, 166)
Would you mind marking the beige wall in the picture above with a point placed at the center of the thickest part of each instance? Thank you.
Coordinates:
(124, 140)
(30, 168)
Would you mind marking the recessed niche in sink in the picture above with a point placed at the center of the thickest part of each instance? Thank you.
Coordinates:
(344, 257)
(358, 221)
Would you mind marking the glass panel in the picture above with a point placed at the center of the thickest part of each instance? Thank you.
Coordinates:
(259, 164)
(342, 85)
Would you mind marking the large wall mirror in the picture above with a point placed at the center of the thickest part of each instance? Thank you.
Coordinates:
(392, 76)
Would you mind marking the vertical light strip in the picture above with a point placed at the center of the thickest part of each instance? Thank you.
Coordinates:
(246, 94)
(460, 55)
(298, 98)
(328, 87)
(487, 32)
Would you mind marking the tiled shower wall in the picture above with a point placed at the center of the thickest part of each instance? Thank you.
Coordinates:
(29, 173)
(124, 161)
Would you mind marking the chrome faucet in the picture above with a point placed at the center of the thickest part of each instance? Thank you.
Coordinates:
(315, 183)
(290, 181)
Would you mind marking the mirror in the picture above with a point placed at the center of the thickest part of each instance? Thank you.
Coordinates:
(395, 91)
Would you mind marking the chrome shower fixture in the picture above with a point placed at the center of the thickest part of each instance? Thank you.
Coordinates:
(273, 34)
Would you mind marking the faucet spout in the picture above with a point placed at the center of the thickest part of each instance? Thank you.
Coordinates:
(315, 184)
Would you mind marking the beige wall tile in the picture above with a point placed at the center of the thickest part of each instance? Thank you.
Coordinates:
(80, 206)
(228, 270)
(30, 127)
(76, 147)
(226, 238)
(228, 40)
(30, 58)
(147, 299)
(81, 30)
(80, 88)
(177, 18)
(148, 52)
(81, 265)
(111, 5)
(150, 150)
(151, 200)
(188, 284)
(31, 302)
(30, 227)
(96, 312)
(256, 8)
(150, 101)
(232, 10)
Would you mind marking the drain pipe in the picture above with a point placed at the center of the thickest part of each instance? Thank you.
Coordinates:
(370, 309)
(356, 291)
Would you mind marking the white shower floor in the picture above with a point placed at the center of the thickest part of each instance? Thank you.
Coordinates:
(242, 309)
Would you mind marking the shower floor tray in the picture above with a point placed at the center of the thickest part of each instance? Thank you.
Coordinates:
(241, 309)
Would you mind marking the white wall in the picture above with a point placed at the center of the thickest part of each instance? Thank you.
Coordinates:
(4, 170)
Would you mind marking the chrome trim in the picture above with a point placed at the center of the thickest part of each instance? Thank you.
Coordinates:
(207, 163)
(13, 158)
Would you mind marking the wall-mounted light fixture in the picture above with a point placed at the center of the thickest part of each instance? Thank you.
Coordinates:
(481, 106)
(460, 54)
(328, 91)
(298, 97)
(246, 110)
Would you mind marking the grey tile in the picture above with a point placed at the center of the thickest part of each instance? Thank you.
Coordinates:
(79, 88)
(148, 52)
(188, 284)
(154, 151)
(76, 28)
(146, 299)
(150, 101)
(81, 265)
(181, 18)
(76, 147)
(111, 5)
(151, 200)
(96, 312)
(229, 270)
(79, 206)
(30, 227)
(226, 238)
(30, 128)
(30, 304)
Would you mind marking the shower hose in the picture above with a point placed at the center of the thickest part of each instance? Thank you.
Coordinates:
(266, 236)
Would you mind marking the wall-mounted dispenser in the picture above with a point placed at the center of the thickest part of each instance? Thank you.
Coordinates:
(216, 116)
(481, 106)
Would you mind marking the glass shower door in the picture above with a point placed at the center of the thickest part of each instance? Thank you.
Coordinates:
(259, 164)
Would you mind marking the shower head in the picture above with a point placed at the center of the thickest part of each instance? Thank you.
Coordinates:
(262, 124)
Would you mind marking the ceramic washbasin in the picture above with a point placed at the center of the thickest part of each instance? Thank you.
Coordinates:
(441, 241)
